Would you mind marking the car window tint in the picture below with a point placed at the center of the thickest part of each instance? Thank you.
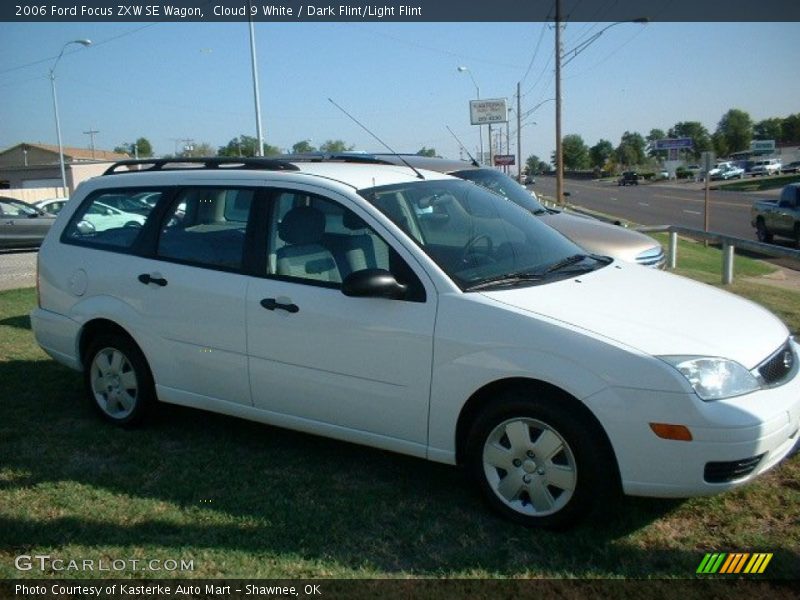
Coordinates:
(206, 227)
(112, 219)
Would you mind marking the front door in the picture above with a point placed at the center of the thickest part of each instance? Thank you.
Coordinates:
(357, 368)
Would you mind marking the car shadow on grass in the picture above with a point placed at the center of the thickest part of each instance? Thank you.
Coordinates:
(18, 322)
(192, 481)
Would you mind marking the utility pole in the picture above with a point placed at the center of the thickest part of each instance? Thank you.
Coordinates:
(519, 134)
(91, 133)
(559, 148)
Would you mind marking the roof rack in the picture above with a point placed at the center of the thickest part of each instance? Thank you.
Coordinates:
(179, 164)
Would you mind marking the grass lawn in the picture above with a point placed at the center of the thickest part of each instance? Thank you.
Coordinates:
(757, 184)
(245, 500)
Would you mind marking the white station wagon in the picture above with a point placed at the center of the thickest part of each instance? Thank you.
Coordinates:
(420, 313)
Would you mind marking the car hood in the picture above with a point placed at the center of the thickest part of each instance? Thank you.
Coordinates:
(600, 238)
(655, 312)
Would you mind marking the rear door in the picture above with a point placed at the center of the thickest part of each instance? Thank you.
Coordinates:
(354, 368)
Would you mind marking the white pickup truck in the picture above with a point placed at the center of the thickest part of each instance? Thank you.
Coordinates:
(769, 166)
(779, 217)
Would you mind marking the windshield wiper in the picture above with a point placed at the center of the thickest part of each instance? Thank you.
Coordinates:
(562, 264)
(504, 279)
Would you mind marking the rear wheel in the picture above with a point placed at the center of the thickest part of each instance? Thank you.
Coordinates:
(538, 463)
(118, 380)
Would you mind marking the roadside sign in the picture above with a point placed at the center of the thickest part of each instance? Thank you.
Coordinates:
(504, 160)
(486, 112)
(676, 143)
(762, 146)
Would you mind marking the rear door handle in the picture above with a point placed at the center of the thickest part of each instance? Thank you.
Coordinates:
(146, 278)
(272, 304)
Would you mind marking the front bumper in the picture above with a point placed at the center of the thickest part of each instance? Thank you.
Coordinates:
(734, 440)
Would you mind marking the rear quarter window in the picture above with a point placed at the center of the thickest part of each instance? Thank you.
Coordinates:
(110, 219)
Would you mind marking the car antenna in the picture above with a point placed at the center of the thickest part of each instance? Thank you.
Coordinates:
(475, 163)
(405, 162)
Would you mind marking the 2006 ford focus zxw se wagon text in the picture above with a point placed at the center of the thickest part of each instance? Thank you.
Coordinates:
(412, 311)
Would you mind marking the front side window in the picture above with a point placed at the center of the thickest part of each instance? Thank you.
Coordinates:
(479, 238)
(319, 241)
(206, 227)
(111, 218)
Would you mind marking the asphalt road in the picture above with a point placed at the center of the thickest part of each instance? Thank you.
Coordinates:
(667, 203)
(17, 269)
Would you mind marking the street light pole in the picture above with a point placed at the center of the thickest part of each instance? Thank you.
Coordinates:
(55, 109)
(477, 97)
(256, 96)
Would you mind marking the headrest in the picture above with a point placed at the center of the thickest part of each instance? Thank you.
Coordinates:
(302, 225)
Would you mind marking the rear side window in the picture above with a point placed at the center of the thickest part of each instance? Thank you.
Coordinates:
(111, 219)
(206, 227)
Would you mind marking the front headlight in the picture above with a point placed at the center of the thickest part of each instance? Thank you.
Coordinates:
(714, 378)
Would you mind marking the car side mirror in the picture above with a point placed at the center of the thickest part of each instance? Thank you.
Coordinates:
(567, 194)
(373, 283)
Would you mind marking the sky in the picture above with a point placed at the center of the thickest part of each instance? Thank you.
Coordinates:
(170, 81)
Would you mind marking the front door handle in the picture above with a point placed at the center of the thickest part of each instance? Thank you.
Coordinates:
(146, 278)
(272, 304)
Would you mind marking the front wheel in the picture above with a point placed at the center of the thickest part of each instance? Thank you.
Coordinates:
(118, 380)
(537, 463)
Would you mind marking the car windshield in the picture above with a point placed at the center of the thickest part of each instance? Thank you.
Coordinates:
(477, 237)
(502, 184)
(19, 209)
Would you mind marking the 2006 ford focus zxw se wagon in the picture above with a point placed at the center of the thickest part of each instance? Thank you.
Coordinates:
(412, 311)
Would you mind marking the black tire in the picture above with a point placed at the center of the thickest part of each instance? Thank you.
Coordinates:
(575, 456)
(764, 236)
(124, 393)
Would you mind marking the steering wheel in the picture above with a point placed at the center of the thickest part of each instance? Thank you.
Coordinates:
(469, 254)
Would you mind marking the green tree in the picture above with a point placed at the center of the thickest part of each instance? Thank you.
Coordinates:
(575, 151)
(631, 149)
(769, 129)
(334, 146)
(652, 138)
(143, 148)
(302, 147)
(600, 153)
(426, 152)
(734, 132)
(701, 139)
(534, 166)
(790, 128)
(246, 145)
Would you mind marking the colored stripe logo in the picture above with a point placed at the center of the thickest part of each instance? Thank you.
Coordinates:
(734, 563)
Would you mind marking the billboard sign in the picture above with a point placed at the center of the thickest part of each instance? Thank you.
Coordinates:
(673, 143)
(486, 112)
(501, 160)
(762, 146)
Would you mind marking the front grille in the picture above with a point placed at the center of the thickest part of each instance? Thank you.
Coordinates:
(723, 472)
(778, 367)
(654, 258)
